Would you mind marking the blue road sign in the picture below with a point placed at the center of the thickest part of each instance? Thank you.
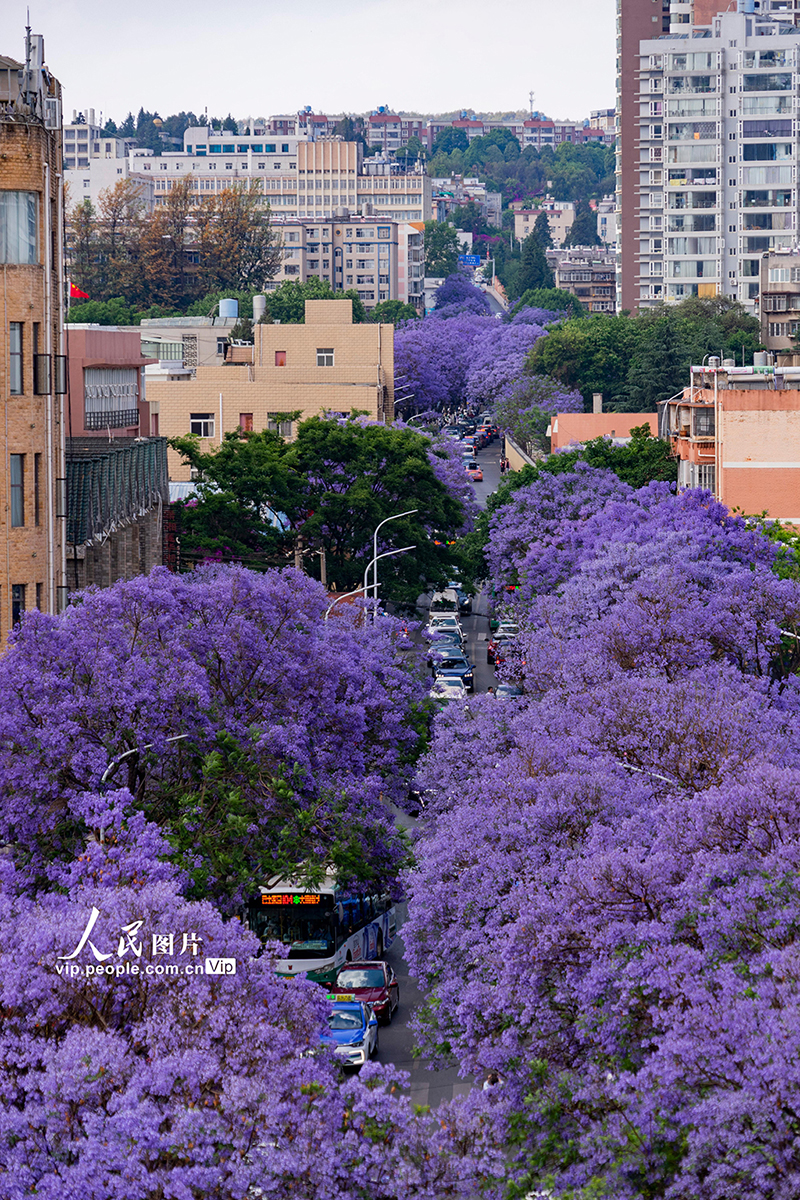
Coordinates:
(470, 260)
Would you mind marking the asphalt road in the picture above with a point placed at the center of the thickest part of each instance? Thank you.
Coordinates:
(396, 1041)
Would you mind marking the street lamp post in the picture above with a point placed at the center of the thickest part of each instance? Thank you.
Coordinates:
(346, 596)
(376, 556)
(374, 565)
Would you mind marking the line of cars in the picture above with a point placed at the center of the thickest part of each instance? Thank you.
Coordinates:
(363, 994)
(453, 673)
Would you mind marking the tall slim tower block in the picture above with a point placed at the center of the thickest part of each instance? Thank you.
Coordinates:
(636, 20)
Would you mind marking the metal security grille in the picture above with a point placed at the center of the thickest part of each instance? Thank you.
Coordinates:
(111, 397)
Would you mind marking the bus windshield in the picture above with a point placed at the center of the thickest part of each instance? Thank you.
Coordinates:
(307, 932)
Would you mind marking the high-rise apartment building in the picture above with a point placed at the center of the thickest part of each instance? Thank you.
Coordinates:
(697, 109)
(32, 369)
(636, 20)
(716, 184)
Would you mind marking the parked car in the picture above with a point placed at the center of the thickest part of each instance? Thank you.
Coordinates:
(374, 983)
(352, 1031)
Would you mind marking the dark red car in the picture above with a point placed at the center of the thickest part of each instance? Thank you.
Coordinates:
(374, 983)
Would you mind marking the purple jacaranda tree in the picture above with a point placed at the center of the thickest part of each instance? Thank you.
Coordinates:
(459, 354)
(292, 729)
(432, 358)
(459, 295)
(605, 906)
(129, 1069)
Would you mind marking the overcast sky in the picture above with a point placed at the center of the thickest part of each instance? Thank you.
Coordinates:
(271, 56)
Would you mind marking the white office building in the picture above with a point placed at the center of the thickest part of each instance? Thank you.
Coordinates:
(718, 154)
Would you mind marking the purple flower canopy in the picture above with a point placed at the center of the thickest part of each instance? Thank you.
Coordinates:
(461, 352)
(131, 1063)
(606, 899)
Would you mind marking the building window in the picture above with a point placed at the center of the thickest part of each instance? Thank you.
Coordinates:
(15, 355)
(39, 595)
(325, 358)
(111, 397)
(280, 358)
(17, 490)
(18, 227)
(37, 491)
(17, 602)
(246, 422)
(202, 424)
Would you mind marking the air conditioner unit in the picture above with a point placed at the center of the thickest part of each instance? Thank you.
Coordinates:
(52, 114)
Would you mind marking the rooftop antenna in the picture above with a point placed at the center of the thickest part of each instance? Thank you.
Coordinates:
(531, 94)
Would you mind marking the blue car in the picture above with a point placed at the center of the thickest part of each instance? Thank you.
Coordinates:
(353, 1031)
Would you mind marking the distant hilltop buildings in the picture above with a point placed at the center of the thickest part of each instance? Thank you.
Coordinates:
(381, 129)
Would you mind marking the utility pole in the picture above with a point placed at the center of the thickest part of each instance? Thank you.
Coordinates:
(323, 568)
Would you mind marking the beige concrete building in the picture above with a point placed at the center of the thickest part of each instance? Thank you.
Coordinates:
(326, 365)
(32, 368)
(382, 259)
(560, 217)
(297, 178)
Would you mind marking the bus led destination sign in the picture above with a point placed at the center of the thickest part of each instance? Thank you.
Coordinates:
(290, 898)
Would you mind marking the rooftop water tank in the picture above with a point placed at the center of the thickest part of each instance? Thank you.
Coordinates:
(229, 309)
(259, 308)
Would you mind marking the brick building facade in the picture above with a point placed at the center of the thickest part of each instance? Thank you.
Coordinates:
(32, 369)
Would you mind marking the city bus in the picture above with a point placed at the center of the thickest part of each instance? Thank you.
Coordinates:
(322, 928)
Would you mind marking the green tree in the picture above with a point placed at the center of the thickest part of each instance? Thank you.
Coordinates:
(116, 311)
(237, 245)
(583, 231)
(287, 303)
(591, 354)
(541, 230)
(441, 248)
(469, 218)
(533, 269)
(229, 125)
(553, 299)
(334, 483)
(128, 127)
(410, 153)
(450, 140)
(658, 369)
(391, 312)
(645, 458)
(241, 487)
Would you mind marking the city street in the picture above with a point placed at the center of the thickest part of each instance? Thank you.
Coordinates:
(428, 1086)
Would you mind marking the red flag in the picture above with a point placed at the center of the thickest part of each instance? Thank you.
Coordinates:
(76, 293)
